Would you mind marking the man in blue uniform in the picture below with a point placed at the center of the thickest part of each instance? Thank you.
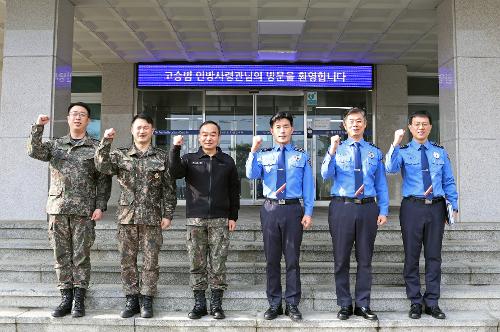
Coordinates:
(354, 215)
(427, 181)
(287, 176)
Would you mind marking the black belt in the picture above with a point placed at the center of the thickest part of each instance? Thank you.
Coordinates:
(354, 200)
(426, 201)
(283, 201)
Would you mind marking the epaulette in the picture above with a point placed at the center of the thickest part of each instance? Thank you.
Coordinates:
(373, 145)
(266, 149)
(296, 148)
(406, 146)
(124, 148)
(437, 145)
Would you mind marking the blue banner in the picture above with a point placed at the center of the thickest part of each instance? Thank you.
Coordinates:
(254, 76)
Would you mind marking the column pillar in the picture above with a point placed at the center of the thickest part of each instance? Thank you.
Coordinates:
(391, 113)
(469, 58)
(117, 108)
(36, 78)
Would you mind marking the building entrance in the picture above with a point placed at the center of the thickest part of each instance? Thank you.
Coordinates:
(242, 114)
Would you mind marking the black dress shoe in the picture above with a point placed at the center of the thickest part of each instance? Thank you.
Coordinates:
(415, 311)
(365, 312)
(435, 312)
(293, 312)
(273, 312)
(344, 312)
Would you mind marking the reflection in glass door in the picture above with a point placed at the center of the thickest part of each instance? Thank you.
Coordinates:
(270, 104)
(234, 114)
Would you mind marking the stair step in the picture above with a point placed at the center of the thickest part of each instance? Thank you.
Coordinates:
(314, 297)
(248, 273)
(40, 320)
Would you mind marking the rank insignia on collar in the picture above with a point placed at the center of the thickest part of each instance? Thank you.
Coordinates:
(371, 155)
(436, 155)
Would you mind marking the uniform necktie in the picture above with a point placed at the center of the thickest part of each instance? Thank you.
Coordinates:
(426, 174)
(358, 171)
(281, 176)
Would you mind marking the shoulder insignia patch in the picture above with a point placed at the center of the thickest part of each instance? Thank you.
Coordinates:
(437, 145)
(373, 145)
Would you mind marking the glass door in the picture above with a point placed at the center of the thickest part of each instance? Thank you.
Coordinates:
(269, 103)
(233, 111)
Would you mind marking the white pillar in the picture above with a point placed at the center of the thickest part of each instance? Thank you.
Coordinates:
(36, 78)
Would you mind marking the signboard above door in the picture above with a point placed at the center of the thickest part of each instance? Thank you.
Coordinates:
(275, 76)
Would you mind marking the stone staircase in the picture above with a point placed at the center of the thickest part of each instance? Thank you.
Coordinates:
(470, 281)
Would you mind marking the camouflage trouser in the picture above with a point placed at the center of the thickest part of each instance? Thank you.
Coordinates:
(71, 238)
(131, 238)
(207, 243)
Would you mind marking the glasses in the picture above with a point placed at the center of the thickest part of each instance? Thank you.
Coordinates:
(78, 114)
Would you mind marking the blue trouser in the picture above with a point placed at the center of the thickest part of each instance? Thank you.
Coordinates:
(353, 224)
(282, 232)
(422, 224)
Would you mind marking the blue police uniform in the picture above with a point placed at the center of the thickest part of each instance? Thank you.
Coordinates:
(422, 214)
(281, 216)
(353, 214)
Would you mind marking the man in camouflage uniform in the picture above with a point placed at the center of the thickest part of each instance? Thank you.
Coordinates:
(146, 205)
(212, 203)
(78, 195)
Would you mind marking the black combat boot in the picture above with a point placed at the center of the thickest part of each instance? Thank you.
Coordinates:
(147, 307)
(131, 306)
(200, 305)
(64, 307)
(216, 304)
(79, 303)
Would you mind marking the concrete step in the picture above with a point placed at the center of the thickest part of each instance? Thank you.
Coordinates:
(38, 320)
(314, 297)
(244, 273)
(250, 231)
(246, 251)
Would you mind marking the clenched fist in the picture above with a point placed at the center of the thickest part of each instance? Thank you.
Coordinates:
(109, 133)
(42, 119)
(178, 140)
(398, 137)
(334, 144)
(257, 141)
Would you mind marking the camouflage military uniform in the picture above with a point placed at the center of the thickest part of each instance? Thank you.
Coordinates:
(76, 190)
(207, 237)
(147, 195)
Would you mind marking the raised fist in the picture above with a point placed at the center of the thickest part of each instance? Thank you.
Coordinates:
(42, 119)
(334, 144)
(257, 141)
(398, 136)
(178, 140)
(109, 133)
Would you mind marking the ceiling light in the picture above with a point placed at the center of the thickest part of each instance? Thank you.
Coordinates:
(280, 27)
(281, 55)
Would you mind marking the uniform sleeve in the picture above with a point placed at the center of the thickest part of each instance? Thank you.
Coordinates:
(449, 186)
(103, 191)
(253, 167)
(178, 166)
(393, 159)
(37, 149)
(308, 188)
(328, 166)
(382, 188)
(105, 162)
(169, 197)
(234, 193)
